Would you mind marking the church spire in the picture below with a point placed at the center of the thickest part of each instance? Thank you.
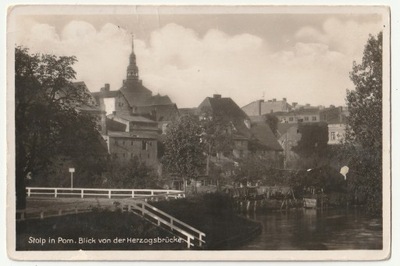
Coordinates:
(132, 44)
(132, 72)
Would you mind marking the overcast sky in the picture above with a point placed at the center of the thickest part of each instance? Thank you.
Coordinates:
(305, 58)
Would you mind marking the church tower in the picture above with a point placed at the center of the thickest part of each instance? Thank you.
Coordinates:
(132, 71)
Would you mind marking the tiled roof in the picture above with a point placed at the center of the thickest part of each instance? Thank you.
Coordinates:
(222, 106)
(134, 92)
(284, 127)
(227, 108)
(188, 111)
(113, 125)
(132, 118)
(157, 100)
(134, 135)
(163, 112)
(263, 133)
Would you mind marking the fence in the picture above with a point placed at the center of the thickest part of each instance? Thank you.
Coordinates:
(189, 234)
(23, 215)
(102, 193)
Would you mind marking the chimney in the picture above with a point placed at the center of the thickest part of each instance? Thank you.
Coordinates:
(308, 105)
(259, 106)
(274, 99)
(294, 104)
(217, 96)
(284, 99)
(107, 87)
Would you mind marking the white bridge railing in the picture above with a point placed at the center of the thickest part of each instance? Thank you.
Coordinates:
(102, 193)
(189, 234)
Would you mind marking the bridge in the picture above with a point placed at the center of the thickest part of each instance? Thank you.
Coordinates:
(45, 202)
(144, 194)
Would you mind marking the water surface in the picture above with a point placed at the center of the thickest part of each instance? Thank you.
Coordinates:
(310, 229)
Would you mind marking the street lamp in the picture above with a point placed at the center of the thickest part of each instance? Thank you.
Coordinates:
(72, 171)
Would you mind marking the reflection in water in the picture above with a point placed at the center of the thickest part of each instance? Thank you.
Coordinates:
(310, 229)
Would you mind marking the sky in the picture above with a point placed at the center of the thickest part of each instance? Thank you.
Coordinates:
(190, 55)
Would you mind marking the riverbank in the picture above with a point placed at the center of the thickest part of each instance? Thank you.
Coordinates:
(110, 229)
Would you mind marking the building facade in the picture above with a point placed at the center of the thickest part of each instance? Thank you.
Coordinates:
(261, 107)
(300, 115)
(133, 130)
(126, 146)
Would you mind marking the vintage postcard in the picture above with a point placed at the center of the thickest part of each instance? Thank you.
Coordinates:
(198, 132)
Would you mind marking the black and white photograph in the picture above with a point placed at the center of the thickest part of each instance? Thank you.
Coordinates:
(198, 132)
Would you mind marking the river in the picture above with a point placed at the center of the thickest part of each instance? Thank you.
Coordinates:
(310, 229)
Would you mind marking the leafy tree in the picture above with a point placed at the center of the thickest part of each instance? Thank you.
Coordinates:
(184, 149)
(272, 121)
(47, 121)
(255, 167)
(363, 145)
(134, 174)
(216, 136)
(314, 140)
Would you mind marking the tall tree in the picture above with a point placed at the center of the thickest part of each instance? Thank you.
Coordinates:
(47, 121)
(184, 148)
(364, 134)
(314, 140)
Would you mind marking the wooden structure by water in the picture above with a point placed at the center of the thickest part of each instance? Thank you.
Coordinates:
(261, 198)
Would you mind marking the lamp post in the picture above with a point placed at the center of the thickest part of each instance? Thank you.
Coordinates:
(72, 170)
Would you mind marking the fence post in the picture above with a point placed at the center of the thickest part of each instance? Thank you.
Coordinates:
(133, 193)
(55, 193)
(29, 191)
(188, 241)
(142, 209)
(82, 193)
(109, 193)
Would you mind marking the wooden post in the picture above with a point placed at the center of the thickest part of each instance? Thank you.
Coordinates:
(55, 193)
(109, 194)
(82, 193)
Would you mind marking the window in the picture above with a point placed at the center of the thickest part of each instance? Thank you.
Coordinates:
(143, 145)
(333, 136)
(290, 118)
(123, 155)
(123, 142)
(306, 118)
(131, 142)
(314, 118)
(116, 141)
